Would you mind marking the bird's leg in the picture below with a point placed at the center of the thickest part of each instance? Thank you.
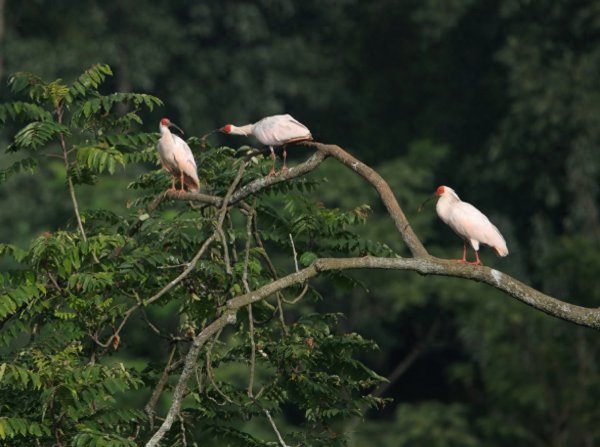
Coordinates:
(181, 181)
(284, 169)
(272, 171)
(477, 260)
(172, 184)
(464, 258)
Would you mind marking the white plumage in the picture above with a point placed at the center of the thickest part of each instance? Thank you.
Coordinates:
(276, 130)
(469, 223)
(177, 157)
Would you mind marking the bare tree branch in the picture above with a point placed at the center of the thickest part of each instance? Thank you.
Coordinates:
(63, 146)
(430, 265)
(422, 263)
(383, 189)
(247, 289)
(149, 408)
(254, 186)
(281, 441)
(188, 368)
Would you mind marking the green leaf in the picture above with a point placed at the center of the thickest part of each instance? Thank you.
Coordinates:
(27, 164)
(89, 81)
(23, 110)
(308, 258)
(36, 134)
(100, 158)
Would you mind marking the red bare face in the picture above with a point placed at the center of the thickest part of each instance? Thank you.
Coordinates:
(226, 128)
(165, 121)
(439, 191)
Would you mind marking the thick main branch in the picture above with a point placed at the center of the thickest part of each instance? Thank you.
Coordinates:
(589, 317)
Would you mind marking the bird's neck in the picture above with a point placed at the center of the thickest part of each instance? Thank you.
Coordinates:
(242, 130)
(164, 130)
(444, 204)
(166, 133)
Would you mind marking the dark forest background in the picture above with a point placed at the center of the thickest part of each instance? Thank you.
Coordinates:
(499, 99)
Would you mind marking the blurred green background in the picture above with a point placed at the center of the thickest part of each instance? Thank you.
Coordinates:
(499, 99)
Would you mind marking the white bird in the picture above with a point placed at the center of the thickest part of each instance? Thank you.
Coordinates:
(468, 222)
(276, 130)
(176, 157)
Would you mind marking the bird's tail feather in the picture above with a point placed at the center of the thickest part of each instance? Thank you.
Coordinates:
(192, 184)
(501, 250)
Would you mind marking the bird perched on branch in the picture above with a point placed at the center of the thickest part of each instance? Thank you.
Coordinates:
(468, 222)
(176, 157)
(276, 130)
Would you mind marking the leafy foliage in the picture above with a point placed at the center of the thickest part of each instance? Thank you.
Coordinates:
(64, 307)
(506, 90)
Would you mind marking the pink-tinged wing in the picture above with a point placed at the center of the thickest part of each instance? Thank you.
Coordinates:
(166, 154)
(183, 151)
(280, 129)
(473, 225)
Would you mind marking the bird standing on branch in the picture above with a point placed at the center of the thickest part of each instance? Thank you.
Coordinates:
(468, 222)
(176, 157)
(276, 130)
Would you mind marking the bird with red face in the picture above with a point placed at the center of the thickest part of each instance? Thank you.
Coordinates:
(468, 222)
(276, 130)
(176, 157)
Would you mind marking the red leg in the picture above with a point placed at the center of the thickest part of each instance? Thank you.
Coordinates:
(477, 260)
(272, 171)
(464, 258)
(181, 181)
(284, 169)
(172, 184)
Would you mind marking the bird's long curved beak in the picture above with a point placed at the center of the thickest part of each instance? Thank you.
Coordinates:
(177, 127)
(422, 205)
(206, 135)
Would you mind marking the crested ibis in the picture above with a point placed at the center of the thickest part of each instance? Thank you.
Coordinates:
(276, 130)
(176, 157)
(468, 222)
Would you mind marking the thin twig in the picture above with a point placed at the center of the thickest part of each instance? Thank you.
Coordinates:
(252, 351)
(305, 288)
(183, 439)
(273, 271)
(299, 297)
(279, 437)
(199, 381)
(233, 250)
(294, 251)
(247, 289)
(149, 408)
(63, 145)
(210, 372)
(223, 240)
(53, 281)
(211, 377)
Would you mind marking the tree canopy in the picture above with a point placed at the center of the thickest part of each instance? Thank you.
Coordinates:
(496, 99)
